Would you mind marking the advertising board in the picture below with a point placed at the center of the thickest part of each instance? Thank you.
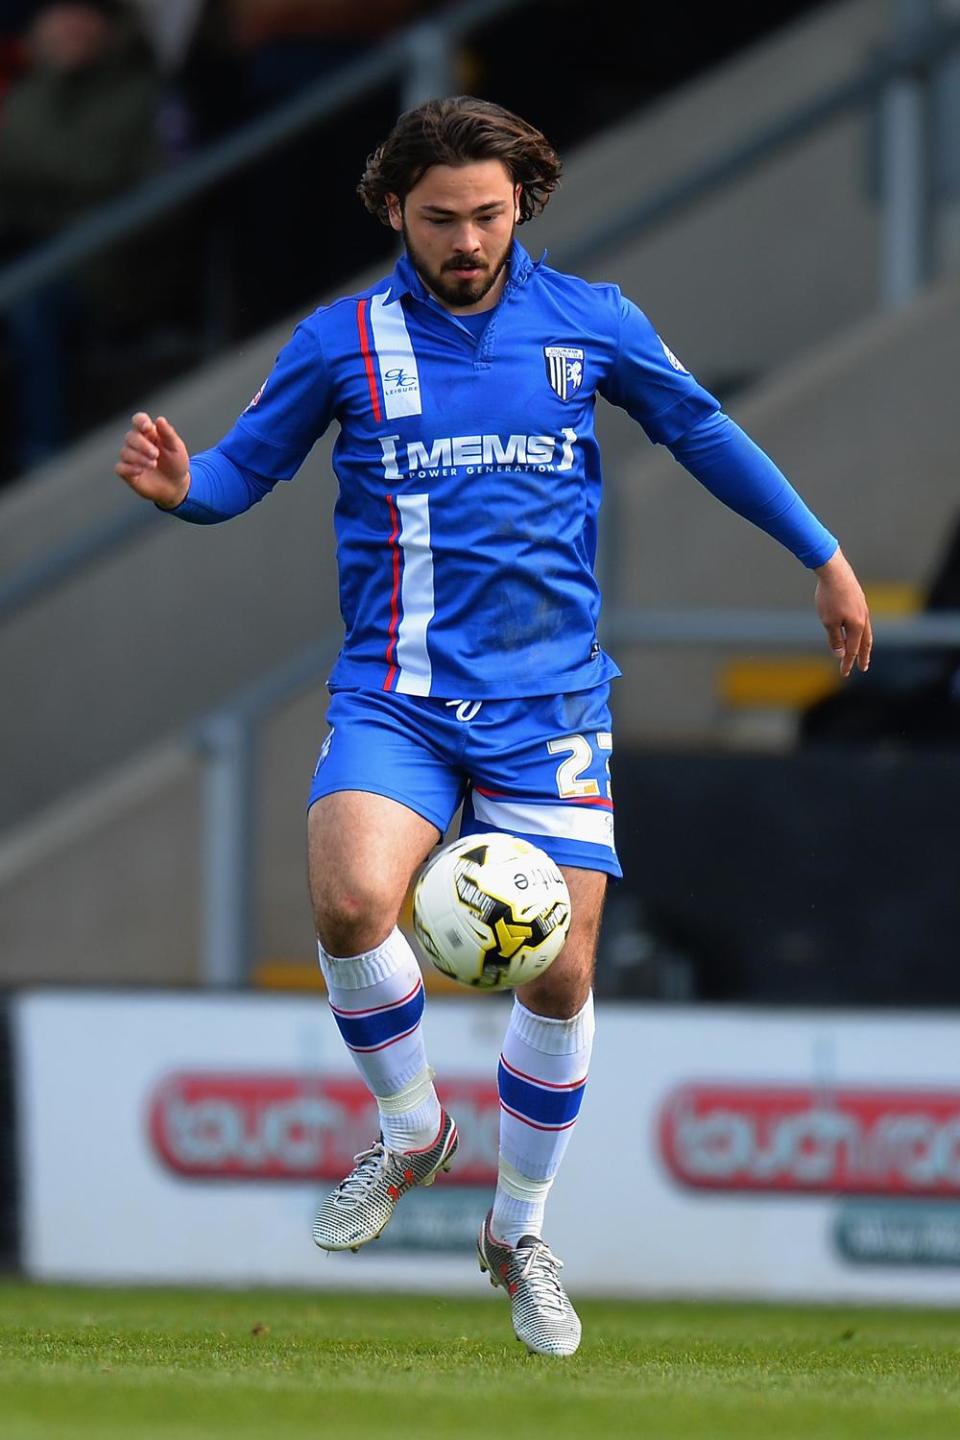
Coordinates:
(188, 1138)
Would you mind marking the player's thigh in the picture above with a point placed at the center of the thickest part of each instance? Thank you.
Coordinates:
(563, 989)
(362, 850)
(381, 797)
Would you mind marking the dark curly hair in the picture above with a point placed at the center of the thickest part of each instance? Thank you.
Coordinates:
(456, 131)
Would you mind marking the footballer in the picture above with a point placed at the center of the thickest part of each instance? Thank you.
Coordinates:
(463, 386)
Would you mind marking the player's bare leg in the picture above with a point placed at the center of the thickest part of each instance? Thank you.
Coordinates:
(363, 851)
(565, 987)
(541, 1079)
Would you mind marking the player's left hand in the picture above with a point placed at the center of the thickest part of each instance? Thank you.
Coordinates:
(843, 611)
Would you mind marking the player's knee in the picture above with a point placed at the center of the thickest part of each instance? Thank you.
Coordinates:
(559, 995)
(352, 919)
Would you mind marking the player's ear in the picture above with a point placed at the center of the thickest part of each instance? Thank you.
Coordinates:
(517, 193)
(394, 211)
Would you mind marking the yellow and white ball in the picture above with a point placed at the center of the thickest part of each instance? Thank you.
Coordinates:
(491, 911)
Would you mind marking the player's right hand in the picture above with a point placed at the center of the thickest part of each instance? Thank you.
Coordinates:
(154, 461)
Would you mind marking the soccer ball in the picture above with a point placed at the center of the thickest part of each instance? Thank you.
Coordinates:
(491, 911)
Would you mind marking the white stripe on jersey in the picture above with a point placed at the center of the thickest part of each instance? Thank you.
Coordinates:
(399, 375)
(593, 824)
(416, 596)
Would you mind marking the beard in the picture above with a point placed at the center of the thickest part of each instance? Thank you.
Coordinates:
(453, 289)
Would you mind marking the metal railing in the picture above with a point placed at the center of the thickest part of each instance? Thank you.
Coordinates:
(770, 629)
(226, 740)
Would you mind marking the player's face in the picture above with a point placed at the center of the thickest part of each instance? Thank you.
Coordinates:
(457, 224)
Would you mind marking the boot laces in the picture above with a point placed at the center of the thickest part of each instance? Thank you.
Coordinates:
(541, 1270)
(361, 1180)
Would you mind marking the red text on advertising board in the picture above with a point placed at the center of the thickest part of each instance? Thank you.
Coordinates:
(252, 1126)
(799, 1139)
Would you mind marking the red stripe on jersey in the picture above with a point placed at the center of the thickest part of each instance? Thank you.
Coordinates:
(368, 358)
(394, 597)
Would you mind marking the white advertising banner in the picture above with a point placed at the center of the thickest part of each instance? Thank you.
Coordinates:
(188, 1138)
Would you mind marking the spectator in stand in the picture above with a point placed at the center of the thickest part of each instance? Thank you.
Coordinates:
(76, 128)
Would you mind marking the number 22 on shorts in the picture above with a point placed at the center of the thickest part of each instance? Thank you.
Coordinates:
(571, 784)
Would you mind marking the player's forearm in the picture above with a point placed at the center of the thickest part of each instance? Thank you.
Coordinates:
(219, 489)
(734, 469)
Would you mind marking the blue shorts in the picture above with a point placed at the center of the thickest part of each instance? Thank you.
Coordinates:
(536, 767)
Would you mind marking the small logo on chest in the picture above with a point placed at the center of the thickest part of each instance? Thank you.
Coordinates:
(564, 369)
(399, 381)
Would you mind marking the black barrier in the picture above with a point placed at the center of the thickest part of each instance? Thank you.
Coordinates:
(829, 877)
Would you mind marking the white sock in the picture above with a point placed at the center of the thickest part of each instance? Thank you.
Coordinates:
(518, 1205)
(377, 1001)
(543, 1071)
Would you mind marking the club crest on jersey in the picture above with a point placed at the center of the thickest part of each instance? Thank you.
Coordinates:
(564, 369)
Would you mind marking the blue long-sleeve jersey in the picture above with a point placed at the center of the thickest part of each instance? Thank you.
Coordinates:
(469, 473)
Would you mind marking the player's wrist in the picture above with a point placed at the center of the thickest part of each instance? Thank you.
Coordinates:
(832, 567)
(182, 494)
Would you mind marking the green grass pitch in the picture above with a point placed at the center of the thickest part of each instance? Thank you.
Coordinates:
(92, 1364)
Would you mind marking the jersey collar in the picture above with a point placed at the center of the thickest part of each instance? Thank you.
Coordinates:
(405, 281)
